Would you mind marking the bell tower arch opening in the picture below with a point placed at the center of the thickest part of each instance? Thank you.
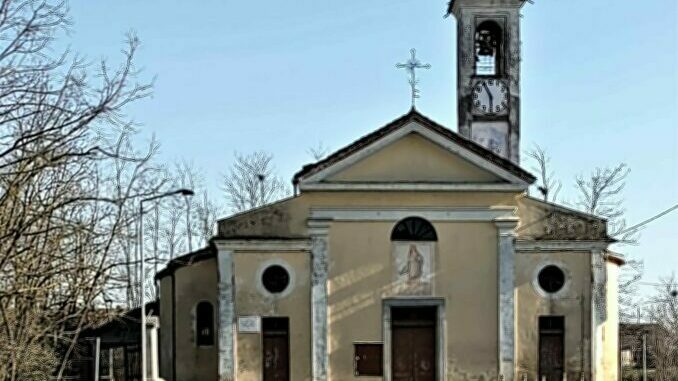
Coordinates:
(487, 44)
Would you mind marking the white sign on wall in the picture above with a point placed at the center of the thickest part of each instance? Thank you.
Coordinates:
(249, 324)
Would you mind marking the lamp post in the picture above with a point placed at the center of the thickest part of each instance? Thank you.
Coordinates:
(142, 276)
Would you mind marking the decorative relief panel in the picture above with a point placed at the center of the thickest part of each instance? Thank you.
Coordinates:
(562, 226)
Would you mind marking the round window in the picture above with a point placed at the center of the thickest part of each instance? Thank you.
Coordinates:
(275, 279)
(551, 279)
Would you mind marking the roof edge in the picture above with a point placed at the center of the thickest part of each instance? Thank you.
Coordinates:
(412, 116)
(196, 256)
(565, 208)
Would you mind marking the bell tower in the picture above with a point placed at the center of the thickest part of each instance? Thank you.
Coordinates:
(488, 73)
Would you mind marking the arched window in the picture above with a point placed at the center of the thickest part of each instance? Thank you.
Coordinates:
(488, 47)
(414, 229)
(204, 324)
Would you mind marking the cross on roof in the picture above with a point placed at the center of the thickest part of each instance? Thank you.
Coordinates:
(411, 66)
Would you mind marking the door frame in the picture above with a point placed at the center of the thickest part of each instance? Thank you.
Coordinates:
(439, 303)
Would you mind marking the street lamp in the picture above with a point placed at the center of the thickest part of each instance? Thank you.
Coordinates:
(142, 276)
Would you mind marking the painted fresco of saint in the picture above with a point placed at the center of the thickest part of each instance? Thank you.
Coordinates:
(414, 268)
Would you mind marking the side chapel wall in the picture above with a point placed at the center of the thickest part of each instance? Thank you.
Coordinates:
(251, 299)
(194, 283)
(573, 302)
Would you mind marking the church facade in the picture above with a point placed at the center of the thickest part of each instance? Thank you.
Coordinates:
(413, 253)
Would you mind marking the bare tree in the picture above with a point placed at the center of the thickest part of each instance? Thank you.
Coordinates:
(629, 276)
(664, 342)
(252, 182)
(69, 180)
(180, 224)
(318, 152)
(600, 194)
(549, 186)
(172, 240)
(205, 216)
(187, 176)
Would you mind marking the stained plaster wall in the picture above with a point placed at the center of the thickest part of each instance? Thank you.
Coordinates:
(166, 329)
(193, 284)
(361, 275)
(252, 300)
(573, 302)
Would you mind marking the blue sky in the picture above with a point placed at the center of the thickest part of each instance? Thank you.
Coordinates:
(599, 84)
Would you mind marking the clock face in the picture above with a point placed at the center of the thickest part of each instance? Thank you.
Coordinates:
(490, 97)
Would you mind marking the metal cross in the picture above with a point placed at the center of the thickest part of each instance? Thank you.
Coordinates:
(411, 67)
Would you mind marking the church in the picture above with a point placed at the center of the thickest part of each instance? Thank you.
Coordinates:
(412, 254)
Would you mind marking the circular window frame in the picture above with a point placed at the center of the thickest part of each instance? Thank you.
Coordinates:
(551, 295)
(260, 282)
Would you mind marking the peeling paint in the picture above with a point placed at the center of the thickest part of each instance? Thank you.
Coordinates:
(226, 315)
(319, 258)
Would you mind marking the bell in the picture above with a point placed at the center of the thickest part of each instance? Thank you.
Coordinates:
(484, 50)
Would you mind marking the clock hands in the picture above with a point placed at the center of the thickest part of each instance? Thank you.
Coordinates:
(489, 95)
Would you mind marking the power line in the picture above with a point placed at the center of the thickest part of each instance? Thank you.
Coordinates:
(650, 284)
(634, 227)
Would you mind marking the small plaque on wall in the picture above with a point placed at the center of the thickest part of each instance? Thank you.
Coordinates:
(249, 324)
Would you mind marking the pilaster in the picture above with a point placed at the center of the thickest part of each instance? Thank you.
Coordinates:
(318, 230)
(152, 363)
(506, 302)
(598, 312)
(226, 315)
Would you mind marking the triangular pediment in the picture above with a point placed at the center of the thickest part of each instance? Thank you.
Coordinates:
(548, 221)
(411, 159)
(413, 153)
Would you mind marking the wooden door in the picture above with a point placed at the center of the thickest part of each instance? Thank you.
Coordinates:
(413, 345)
(551, 348)
(275, 358)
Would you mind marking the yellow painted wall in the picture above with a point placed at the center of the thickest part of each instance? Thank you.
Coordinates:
(414, 158)
(465, 267)
(194, 283)
(251, 300)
